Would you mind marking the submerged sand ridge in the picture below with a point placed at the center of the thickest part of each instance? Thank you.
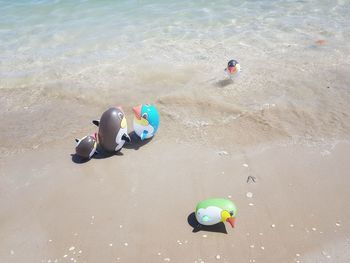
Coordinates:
(200, 113)
(135, 206)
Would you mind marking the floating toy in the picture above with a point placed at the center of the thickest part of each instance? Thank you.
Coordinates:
(146, 120)
(86, 146)
(112, 129)
(233, 68)
(212, 211)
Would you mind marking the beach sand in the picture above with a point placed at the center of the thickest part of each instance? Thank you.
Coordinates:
(136, 206)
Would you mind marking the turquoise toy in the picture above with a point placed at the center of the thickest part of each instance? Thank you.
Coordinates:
(213, 211)
(146, 120)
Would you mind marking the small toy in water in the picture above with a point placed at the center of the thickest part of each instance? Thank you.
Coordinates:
(146, 120)
(213, 211)
(112, 129)
(86, 146)
(233, 68)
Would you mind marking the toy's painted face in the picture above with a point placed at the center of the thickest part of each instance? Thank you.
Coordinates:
(122, 135)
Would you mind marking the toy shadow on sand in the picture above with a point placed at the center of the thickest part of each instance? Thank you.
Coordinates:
(223, 83)
(192, 221)
(100, 154)
(136, 142)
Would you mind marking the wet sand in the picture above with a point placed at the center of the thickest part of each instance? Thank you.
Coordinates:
(136, 206)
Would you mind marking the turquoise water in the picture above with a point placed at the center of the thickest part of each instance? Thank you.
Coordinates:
(40, 37)
(174, 53)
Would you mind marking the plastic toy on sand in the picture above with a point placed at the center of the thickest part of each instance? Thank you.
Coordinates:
(112, 129)
(86, 146)
(213, 211)
(146, 120)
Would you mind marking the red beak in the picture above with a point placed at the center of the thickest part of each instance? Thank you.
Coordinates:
(231, 220)
(232, 69)
(137, 111)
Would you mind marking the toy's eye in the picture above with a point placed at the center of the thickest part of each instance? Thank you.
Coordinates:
(145, 115)
(120, 115)
(231, 213)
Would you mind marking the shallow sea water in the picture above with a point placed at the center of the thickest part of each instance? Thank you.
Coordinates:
(64, 62)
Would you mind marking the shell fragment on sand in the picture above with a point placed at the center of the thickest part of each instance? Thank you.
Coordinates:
(249, 194)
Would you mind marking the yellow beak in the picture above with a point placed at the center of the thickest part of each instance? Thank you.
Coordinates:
(141, 121)
(226, 217)
(123, 124)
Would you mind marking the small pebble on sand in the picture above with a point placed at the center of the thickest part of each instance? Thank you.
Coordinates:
(126, 244)
(251, 204)
(167, 259)
(229, 196)
(297, 254)
(223, 153)
(50, 240)
(245, 165)
(218, 257)
(120, 226)
(273, 225)
(249, 194)
(291, 225)
(251, 246)
(314, 229)
(80, 251)
(159, 253)
(71, 248)
(260, 234)
(263, 248)
(65, 256)
(337, 223)
(111, 245)
(12, 252)
(204, 236)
